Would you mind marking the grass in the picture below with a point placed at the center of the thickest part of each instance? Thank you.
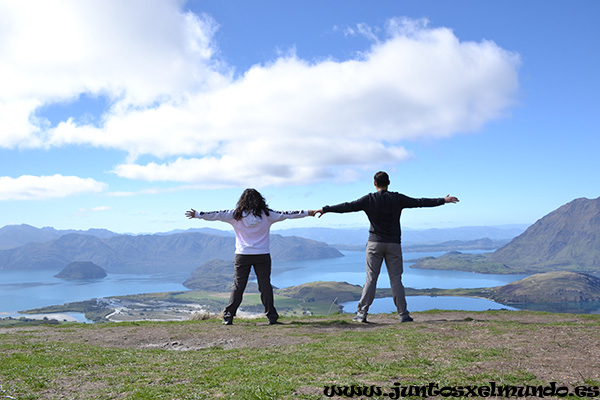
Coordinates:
(39, 363)
(22, 321)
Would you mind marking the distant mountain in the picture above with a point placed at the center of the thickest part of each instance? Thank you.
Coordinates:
(465, 233)
(208, 231)
(287, 248)
(328, 235)
(12, 236)
(451, 245)
(81, 270)
(149, 253)
(568, 238)
(457, 245)
(410, 237)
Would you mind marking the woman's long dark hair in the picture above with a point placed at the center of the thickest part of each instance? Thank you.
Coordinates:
(252, 202)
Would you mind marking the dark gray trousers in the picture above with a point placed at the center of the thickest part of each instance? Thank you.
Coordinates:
(262, 269)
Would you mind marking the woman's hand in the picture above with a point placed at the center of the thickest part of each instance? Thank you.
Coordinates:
(191, 214)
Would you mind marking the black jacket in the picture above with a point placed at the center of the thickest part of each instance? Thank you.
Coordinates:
(383, 209)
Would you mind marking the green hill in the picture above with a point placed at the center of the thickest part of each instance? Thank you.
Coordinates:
(338, 292)
(457, 261)
(550, 287)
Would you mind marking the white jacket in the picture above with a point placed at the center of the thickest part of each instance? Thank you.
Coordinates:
(251, 232)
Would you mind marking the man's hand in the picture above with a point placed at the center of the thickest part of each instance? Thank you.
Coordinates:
(319, 212)
(451, 199)
(191, 214)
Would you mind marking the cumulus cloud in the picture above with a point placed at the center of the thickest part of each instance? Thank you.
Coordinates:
(133, 52)
(286, 121)
(27, 187)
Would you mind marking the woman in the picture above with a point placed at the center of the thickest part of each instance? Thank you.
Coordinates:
(251, 220)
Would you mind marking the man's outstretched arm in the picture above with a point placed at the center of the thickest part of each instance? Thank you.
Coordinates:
(410, 202)
(353, 206)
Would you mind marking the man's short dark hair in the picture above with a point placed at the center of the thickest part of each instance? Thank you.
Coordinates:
(382, 179)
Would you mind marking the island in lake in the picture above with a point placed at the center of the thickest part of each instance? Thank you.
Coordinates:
(81, 270)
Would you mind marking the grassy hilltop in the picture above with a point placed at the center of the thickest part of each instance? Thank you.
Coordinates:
(299, 358)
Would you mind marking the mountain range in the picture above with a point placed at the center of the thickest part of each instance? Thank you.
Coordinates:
(410, 237)
(567, 239)
(12, 236)
(149, 253)
(26, 247)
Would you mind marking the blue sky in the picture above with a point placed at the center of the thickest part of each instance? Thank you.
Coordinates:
(124, 114)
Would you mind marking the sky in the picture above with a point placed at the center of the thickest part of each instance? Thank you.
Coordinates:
(123, 114)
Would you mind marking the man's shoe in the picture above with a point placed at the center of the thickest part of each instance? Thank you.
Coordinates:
(274, 322)
(360, 318)
(407, 318)
(227, 321)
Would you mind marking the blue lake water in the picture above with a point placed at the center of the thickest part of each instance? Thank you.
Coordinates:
(22, 290)
(424, 303)
(351, 269)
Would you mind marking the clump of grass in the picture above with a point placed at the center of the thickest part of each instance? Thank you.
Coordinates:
(200, 316)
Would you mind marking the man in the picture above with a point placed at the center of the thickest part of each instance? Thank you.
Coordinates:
(383, 209)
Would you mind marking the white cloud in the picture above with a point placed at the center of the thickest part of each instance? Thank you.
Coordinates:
(135, 53)
(27, 187)
(287, 121)
(284, 162)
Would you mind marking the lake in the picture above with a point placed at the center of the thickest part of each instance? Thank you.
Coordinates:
(22, 290)
(351, 269)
